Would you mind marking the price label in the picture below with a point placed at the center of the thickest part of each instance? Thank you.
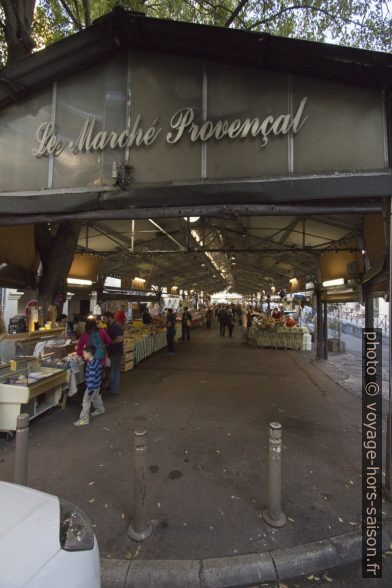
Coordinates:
(13, 365)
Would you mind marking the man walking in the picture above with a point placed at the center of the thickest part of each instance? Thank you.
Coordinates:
(170, 331)
(115, 350)
(222, 321)
(186, 325)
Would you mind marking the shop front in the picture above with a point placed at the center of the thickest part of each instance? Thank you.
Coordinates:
(281, 147)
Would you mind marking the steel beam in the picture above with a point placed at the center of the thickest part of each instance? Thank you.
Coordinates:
(216, 210)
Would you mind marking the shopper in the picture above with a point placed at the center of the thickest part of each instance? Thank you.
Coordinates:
(209, 317)
(146, 317)
(222, 321)
(119, 315)
(244, 326)
(93, 336)
(230, 322)
(171, 331)
(276, 314)
(186, 322)
(115, 350)
(93, 378)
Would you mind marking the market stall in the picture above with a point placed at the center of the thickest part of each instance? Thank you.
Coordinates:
(281, 334)
(141, 341)
(74, 367)
(28, 386)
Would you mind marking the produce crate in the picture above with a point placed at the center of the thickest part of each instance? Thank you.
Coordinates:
(127, 366)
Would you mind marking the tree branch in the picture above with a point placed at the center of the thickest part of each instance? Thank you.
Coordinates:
(306, 7)
(87, 12)
(236, 12)
(71, 15)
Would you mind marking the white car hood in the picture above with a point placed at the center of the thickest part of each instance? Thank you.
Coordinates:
(29, 532)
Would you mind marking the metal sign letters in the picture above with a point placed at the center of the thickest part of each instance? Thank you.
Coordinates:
(182, 124)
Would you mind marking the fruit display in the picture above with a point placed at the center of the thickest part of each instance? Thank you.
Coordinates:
(290, 322)
(279, 333)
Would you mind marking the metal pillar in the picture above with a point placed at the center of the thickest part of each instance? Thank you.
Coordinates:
(139, 529)
(21, 449)
(274, 515)
(320, 337)
(388, 456)
(325, 331)
(369, 308)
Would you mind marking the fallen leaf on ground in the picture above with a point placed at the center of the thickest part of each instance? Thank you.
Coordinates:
(128, 555)
(106, 505)
(137, 551)
(108, 556)
(92, 500)
(340, 519)
(159, 505)
(122, 515)
(290, 519)
(91, 483)
(352, 523)
(236, 497)
(327, 578)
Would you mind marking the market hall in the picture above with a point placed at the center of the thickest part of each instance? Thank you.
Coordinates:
(185, 160)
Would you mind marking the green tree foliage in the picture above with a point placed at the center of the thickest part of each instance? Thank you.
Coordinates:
(360, 23)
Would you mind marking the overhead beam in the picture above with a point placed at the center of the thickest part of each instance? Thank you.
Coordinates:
(217, 210)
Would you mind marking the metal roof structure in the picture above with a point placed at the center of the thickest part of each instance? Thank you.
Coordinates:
(247, 254)
(247, 244)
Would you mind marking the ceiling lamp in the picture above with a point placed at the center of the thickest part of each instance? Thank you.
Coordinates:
(79, 282)
(336, 282)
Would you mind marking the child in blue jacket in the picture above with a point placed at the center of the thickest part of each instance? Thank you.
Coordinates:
(93, 378)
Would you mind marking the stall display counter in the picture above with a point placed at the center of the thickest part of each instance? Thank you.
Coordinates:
(282, 337)
(31, 388)
(74, 367)
(141, 342)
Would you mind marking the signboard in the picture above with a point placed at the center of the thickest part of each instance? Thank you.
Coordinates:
(182, 124)
(180, 120)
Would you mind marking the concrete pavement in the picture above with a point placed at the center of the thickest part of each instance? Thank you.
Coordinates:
(207, 412)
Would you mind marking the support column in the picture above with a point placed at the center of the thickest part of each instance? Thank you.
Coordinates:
(320, 334)
(11, 304)
(66, 303)
(388, 452)
(93, 300)
(325, 330)
(369, 308)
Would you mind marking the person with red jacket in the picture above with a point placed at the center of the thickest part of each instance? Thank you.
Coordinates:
(119, 316)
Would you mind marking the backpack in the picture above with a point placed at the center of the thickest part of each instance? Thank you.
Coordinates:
(96, 340)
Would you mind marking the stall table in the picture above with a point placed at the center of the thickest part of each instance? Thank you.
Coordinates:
(34, 395)
(281, 337)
